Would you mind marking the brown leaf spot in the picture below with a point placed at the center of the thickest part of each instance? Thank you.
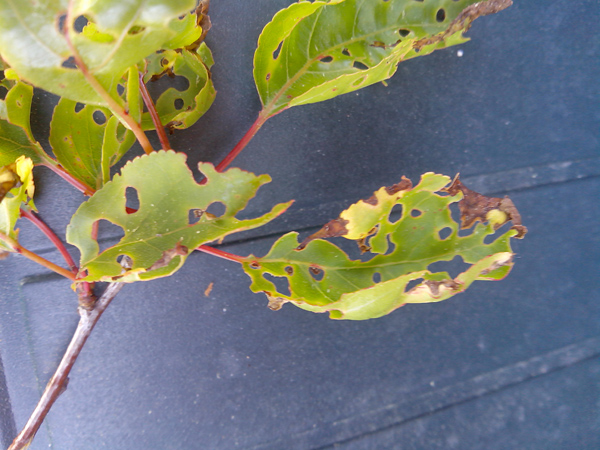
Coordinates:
(289, 270)
(333, 228)
(255, 265)
(464, 20)
(434, 286)
(496, 265)
(275, 303)
(168, 255)
(475, 206)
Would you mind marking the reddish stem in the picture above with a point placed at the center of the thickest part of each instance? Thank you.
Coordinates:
(160, 130)
(28, 214)
(61, 172)
(262, 118)
(221, 254)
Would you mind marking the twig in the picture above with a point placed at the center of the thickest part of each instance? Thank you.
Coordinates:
(61, 172)
(58, 382)
(160, 130)
(262, 118)
(18, 248)
(44, 228)
(113, 105)
(221, 254)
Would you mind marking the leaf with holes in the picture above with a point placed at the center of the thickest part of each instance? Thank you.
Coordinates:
(319, 276)
(312, 52)
(117, 35)
(16, 138)
(179, 109)
(171, 220)
(76, 136)
(16, 190)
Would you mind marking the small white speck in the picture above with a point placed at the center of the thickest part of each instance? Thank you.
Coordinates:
(459, 53)
(224, 309)
(150, 412)
(432, 383)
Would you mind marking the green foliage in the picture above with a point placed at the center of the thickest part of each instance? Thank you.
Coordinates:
(117, 36)
(16, 138)
(76, 139)
(181, 109)
(320, 276)
(312, 52)
(159, 235)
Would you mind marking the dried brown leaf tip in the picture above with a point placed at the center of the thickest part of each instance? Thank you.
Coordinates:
(275, 303)
(475, 206)
(168, 255)
(333, 228)
(464, 20)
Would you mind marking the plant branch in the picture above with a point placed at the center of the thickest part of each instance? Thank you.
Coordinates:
(44, 228)
(262, 118)
(55, 167)
(113, 105)
(18, 248)
(160, 130)
(58, 382)
(221, 254)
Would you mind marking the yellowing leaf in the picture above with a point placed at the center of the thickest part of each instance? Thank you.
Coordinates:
(16, 190)
(320, 277)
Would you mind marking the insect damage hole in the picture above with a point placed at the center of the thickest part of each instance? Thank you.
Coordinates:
(316, 272)
(445, 233)
(359, 65)
(416, 213)
(277, 50)
(326, 59)
(440, 16)
(281, 283)
(376, 277)
(178, 103)
(69, 63)
(132, 201)
(403, 32)
(194, 216)
(99, 117)
(109, 232)
(215, 210)
(80, 23)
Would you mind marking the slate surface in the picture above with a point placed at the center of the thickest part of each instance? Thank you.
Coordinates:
(507, 365)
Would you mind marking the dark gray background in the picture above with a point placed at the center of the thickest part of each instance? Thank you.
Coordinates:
(507, 365)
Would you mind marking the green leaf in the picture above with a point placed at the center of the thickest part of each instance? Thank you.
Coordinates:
(312, 52)
(16, 138)
(181, 109)
(160, 234)
(321, 277)
(16, 190)
(118, 35)
(76, 139)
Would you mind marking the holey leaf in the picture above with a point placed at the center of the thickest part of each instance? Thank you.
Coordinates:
(176, 108)
(312, 52)
(118, 34)
(320, 277)
(171, 219)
